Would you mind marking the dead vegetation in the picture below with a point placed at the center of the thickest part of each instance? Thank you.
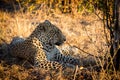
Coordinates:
(87, 40)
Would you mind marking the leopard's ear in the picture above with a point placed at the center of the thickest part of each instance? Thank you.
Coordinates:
(47, 22)
(45, 26)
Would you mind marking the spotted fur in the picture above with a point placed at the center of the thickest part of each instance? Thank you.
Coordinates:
(39, 48)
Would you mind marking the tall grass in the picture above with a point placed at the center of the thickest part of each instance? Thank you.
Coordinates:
(86, 40)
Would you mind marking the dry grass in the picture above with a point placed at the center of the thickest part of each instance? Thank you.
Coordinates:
(86, 40)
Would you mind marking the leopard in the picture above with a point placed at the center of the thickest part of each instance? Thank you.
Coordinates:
(40, 47)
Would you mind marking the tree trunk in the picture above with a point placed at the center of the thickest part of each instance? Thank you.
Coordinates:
(116, 39)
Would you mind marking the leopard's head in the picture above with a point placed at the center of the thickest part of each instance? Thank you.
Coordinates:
(49, 33)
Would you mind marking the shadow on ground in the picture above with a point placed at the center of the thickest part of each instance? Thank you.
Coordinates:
(17, 68)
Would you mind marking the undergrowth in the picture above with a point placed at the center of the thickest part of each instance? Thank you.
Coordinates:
(86, 40)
